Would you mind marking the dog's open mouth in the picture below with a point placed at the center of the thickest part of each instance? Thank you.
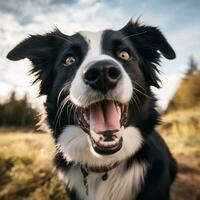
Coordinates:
(104, 122)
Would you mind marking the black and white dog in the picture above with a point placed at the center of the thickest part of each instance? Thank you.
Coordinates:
(101, 110)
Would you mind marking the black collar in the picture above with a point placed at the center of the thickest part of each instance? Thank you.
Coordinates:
(87, 169)
(101, 169)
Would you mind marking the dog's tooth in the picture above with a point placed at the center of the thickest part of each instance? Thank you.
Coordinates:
(118, 109)
(106, 145)
(113, 143)
(116, 140)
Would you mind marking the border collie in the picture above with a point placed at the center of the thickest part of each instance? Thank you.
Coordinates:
(101, 110)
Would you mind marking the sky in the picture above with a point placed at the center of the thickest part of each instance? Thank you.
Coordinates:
(178, 20)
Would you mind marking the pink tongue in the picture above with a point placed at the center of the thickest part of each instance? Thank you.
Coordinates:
(104, 118)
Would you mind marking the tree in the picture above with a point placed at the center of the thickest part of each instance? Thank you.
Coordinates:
(193, 66)
(18, 113)
(188, 92)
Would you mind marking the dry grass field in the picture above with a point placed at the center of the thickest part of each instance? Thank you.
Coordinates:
(26, 170)
(181, 131)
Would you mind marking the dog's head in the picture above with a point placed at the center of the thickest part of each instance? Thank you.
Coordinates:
(99, 102)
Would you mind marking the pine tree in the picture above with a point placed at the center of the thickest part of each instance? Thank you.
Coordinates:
(193, 66)
(17, 113)
(188, 92)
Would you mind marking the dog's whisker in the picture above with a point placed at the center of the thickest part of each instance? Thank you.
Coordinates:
(68, 107)
(58, 114)
(71, 108)
(57, 36)
(75, 111)
(134, 88)
(139, 85)
(138, 102)
(62, 105)
(67, 112)
(65, 87)
(132, 35)
(134, 101)
(58, 110)
(67, 101)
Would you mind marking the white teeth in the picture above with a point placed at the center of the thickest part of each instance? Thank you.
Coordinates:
(85, 117)
(119, 111)
(108, 144)
(116, 140)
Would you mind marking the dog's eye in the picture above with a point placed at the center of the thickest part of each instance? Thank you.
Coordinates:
(70, 60)
(124, 55)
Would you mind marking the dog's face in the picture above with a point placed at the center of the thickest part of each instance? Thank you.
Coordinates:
(98, 87)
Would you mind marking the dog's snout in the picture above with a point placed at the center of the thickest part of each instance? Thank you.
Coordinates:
(102, 75)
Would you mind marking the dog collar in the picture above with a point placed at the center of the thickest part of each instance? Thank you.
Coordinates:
(105, 169)
(100, 169)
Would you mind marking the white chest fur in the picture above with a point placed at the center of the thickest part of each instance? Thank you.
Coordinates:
(120, 184)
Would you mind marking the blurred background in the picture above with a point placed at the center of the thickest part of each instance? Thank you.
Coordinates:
(26, 171)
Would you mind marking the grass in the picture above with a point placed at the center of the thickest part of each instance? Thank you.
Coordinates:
(26, 170)
(186, 150)
(182, 122)
(181, 131)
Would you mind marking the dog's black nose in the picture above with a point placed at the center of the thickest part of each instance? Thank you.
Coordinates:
(102, 75)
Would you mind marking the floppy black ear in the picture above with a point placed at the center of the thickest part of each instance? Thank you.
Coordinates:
(41, 50)
(149, 42)
(151, 37)
(156, 39)
(34, 47)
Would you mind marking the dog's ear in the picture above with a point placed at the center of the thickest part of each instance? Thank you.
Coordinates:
(35, 47)
(149, 42)
(156, 39)
(41, 50)
(151, 37)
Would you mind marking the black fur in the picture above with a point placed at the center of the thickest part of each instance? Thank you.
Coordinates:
(47, 53)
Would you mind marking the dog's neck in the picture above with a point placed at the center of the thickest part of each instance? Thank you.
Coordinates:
(99, 169)
(91, 184)
(86, 170)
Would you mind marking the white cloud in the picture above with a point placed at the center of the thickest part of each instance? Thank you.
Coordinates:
(67, 17)
(26, 16)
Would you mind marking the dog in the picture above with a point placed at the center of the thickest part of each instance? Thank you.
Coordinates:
(102, 111)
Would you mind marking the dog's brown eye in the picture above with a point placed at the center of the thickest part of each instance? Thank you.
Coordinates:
(70, 60)
(124, 55)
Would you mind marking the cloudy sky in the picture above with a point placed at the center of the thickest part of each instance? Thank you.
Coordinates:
(179, 20)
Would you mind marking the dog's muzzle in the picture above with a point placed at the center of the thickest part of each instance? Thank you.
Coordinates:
(104, 119)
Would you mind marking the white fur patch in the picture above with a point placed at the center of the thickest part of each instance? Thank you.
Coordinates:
(76, 146)
(94, 42)
(121, 183)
